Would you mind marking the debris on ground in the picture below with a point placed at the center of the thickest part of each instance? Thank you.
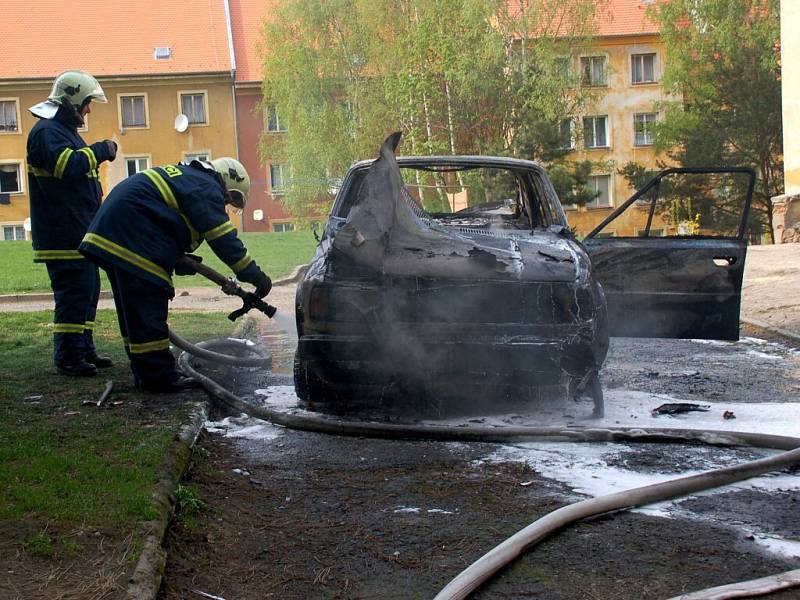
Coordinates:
(728, 414)
(675, 408)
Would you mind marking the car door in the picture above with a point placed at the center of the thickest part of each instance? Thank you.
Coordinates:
(676, 272)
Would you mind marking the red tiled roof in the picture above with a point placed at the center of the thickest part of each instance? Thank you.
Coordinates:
(624, 17)
(247, 17)
(612, 18)
(112, 37)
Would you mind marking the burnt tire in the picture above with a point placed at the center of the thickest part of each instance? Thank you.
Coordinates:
(300, 382)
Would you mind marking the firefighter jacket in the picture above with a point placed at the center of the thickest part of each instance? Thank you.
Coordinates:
(153, 217)
(65, 191)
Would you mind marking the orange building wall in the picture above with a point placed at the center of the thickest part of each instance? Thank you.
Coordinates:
(620, 100)
(159, 141)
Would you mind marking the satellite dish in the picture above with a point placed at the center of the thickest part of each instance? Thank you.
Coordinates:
(181, 123)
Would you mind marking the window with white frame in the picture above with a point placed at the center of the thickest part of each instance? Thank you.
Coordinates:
(133, 110)
(10, 178)
(193, 105)
(595, 131)
(593, 70)
(277, 178)
(643, 128)
(274, 122)
(13, 232)
(601, 185)
(643, 68)
(282, 227)
(136, 164)
(566, 135)
(8, 116)
(189, 157)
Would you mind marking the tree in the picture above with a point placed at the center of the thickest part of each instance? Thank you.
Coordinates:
(722, 60)
(456, 76)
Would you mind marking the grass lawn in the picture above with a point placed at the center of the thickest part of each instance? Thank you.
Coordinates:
(276, 253)
(67, 468)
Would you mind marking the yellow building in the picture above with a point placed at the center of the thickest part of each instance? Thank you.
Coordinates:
(152, 70)
(623, 69)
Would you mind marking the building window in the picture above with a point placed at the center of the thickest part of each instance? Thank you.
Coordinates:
(189, 157)
(13, 232)
(274, 122)
(593, 70)
(282, 227)
(595, 132)
(643, 128)
(193, 105)
(277, 178)
(133, 110)
(10, 180)
(136, 164)
(566, 135)
(643, 68)
(8, 116)
(601, 184)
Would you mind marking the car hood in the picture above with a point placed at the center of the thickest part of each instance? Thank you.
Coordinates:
(388, 231)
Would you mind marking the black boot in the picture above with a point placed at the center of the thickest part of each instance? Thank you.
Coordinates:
(79, 369)
(101, 362)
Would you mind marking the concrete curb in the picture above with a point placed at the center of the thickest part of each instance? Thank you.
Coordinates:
(145, 581)
(777, 330)
(295, 276)
(38, 297)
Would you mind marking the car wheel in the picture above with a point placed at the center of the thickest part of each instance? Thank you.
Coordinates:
(300, 382)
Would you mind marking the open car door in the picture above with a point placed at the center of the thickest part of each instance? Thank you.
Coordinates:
(680, 276)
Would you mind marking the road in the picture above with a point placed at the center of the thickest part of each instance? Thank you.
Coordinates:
(302, 515)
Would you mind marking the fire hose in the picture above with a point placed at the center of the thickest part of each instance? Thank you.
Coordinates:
(471, 578)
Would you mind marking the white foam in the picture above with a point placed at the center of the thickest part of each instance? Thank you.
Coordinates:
(244, 427)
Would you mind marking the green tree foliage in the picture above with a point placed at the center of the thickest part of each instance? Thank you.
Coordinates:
(722, 60)
(456, 76)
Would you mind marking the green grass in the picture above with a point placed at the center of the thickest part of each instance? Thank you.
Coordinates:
(276, 253)
(63, 463)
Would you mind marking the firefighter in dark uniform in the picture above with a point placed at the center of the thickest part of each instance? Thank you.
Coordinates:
(148, 221)
(65, 195)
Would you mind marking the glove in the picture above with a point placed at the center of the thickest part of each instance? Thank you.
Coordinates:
(181, 269)
(112, 149)
(262, 282)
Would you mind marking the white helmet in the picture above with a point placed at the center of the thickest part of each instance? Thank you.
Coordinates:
(76, 87)
(236, 179)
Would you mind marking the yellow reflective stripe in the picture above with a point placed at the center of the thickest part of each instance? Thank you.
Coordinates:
(61, 163)
(169, 198)
(219, 231)
(36, 171)
(149, 346)
(90, 155)
(93, 175)
(68, 327)
(133, 258)
(56, 255)
(89, 325)
(242, 264)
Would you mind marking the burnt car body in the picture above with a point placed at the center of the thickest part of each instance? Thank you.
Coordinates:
(482, 308)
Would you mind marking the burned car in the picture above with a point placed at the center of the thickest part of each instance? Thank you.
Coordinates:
(483, 301)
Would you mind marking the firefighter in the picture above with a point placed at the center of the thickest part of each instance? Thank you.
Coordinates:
(65, 195)
(150, 220)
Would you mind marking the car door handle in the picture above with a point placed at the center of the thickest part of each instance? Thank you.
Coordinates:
(724, 261)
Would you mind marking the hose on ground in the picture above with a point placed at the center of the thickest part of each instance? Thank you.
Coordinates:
(489, 564)
(263, 358)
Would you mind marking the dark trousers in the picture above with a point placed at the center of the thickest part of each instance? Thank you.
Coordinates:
(76, 289)
(142, 309)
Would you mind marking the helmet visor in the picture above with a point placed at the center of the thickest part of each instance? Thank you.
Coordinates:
(98, 95)
(236, 199)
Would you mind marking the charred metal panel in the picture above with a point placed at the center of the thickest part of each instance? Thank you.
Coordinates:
(677, 288)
